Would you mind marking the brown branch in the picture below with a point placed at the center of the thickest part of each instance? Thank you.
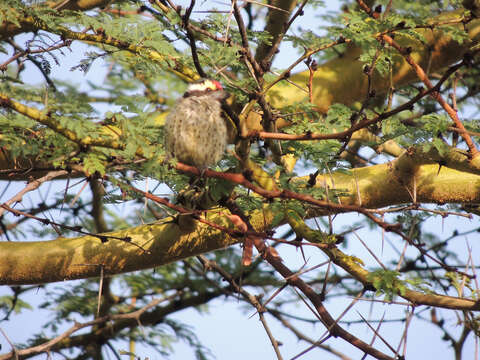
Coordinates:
(436, 95)
(285, 194)
(308, 53)
(35, 184)
(312, 67)
(196, 214)
(302, 336)
(97, 205)
(332, 326)
(253, 300)
(191, 38)
(405, 52)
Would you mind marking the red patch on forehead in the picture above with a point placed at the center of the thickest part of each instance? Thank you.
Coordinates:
(217, 85)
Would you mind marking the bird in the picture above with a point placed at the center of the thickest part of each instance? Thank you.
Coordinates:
(195, 130)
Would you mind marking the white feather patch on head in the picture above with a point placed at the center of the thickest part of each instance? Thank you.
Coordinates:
(204, 85)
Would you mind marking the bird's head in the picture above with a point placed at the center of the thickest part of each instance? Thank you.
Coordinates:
(207, 87)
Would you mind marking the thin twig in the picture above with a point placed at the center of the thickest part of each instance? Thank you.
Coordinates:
(33, 185)
(77, 229)
(100, 288)
(14, 349)
(370, 251)
(209, 264)
(375, 334)
(302, 336)
(379, 336)
(273, 341)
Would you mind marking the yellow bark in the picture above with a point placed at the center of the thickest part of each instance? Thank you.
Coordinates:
(82, 257)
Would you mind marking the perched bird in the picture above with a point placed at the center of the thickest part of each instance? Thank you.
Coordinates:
(195, 131)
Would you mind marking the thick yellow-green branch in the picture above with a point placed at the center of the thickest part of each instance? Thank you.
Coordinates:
(371, 187)
(167, 242)
(82, 257)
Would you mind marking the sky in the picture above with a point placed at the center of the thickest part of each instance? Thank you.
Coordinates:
(229, 329)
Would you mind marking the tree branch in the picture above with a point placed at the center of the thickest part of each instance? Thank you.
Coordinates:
(8, 29)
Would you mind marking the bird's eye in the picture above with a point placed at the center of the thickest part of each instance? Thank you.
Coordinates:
(208, 90)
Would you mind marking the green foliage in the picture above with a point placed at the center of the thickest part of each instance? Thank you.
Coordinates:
(317, 153)
(11, 10)
(307, 39)
(461, 283)
(338, 117)
(387, 282)
(13, 303)
(249, 203)
(94, 163)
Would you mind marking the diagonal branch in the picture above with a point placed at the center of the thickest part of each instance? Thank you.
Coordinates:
(436, 95)
(8, 29)
(253, 300)
(301, 336)
(35, 184)
(332, 326)
(405, 52)
(49, 121)
(353, 267)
